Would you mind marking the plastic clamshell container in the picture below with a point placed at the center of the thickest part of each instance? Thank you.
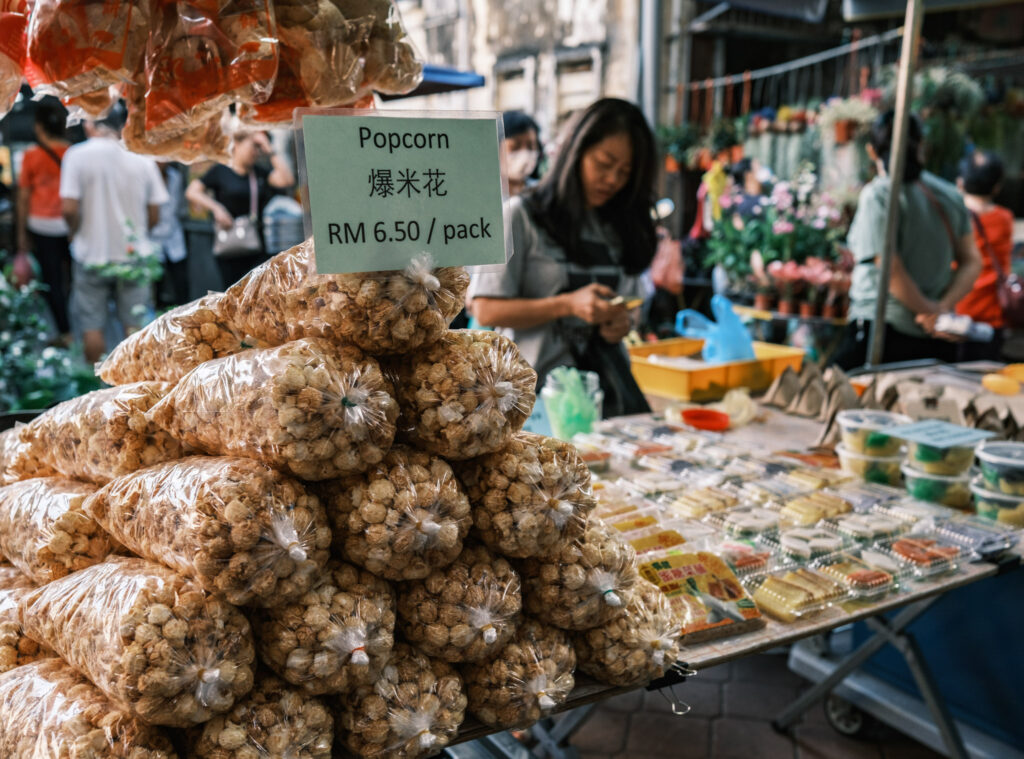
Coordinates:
(697, 504)
(859, 429)
(987, 540)
(745, 557)
(597, 459)
(613, 501)
(1002, 466)
(864, 496)
(650, 484)
(866, 527)
(666, 463)
(816, 479)
(745, 521)
(882, 470)
(805, 544)
(954, 492)
(807, 510)
(998, 507)
(913, 511)
(789, 595)
(641, 429)
(773, 490)
(950, 462)
(650, 516)
(926, 555)
(668, 536)
(712, 381)
(636, 449)
(865, 583)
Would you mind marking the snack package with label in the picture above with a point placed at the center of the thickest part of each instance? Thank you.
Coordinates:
(272, 721)
(403, 518)
(412, 710)
(307, 407)
(529, 498)
(153, 642)
(202, 57)
(337, 636)
(529, 677)
(705, 594)
(466, 395)
(172, 345)
(102, 435)
(382, 312)
(16, 648)
(638, 647)
(234, 525)
(49, 710)
(16, 459)
(45, 531)
(76, 47)
(392, 66)
(465, 612)
(587, 583)
(12, 55)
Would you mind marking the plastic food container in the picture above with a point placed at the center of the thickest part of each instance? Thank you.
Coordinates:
(954, 492)
(864, 496)
(866, 528)
(924, 555)
(864, 582)
(803, 544)
(860, 432)
(798, 593)
(697, 504)
(812, 508)
(882, 470)
(950, 461)
(985, 539)
(746, 558)
(912, 511)
(745, 521)
(999, 507)
(1002, 466)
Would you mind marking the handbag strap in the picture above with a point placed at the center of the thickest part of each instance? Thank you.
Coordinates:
(941, 211)
(50, 152)
(253, 193)
(987, 246)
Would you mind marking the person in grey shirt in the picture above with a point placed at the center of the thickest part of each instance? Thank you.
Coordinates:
(581, 237)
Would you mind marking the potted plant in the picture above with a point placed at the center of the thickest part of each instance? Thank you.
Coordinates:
(816, 276)
(845, 116)
(676, 142)
(787, 278)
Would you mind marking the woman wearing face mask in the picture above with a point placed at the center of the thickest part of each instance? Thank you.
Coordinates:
(581, 237)
(522, 150)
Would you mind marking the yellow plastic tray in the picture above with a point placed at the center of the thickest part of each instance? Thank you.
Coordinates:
(710, 383)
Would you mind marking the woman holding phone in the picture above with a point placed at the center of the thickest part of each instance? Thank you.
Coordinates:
(581, 238)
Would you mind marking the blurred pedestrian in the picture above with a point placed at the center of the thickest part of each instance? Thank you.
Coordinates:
(170, 236)
(522, 150)
(41, 227)
(110, 199)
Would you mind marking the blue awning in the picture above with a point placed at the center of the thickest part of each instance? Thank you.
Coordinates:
(442, 79)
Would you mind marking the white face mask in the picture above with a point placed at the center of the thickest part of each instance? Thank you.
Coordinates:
(521, 164)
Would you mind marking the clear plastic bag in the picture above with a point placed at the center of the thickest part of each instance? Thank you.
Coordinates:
(91, 105)
(16, 648)
(465, 612)
(12, 56)
(234, 525)
(45, 531)
(205, 140)
(589, 582)
(172, 345)
(401, 519)
(636, 648)
(76, 47)
(103, 434)
(337, 636)
(413, 709)
(272, 721)
(49, 711)
(466, 395)
(531, 497)
(528, 678)
(16, 459)
(307, 407)
(153, 642)
(203, 56)
(382, 312)
(392, 65)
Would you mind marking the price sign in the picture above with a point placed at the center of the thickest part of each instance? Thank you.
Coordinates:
(384, 189)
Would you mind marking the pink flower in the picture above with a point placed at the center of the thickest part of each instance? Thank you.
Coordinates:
(725, 202)
(782, 227)
(818, 223)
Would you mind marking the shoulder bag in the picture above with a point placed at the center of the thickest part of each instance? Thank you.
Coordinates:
(1009, 287)
(242, 238)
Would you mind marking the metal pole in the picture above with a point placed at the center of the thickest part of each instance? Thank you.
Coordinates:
(650, 16)
(897, 160)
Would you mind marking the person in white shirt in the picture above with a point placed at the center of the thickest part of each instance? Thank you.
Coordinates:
(110, 199)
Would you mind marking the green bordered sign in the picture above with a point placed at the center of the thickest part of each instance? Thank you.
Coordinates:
(383, 189)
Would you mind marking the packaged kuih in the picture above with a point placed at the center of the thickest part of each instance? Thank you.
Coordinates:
(154, 642)
(465, 612)
(205, 140)
(103, 434)
(49, 710)
(12, 55)
(173, 344)
(529, 498)
(412, 710)
(236, 526)
(272, 721)
(528, 678)
(76, 47)
(306, 407)
(16, 459)
(465, 395)
(636, 648)
(401, 519)
(16, 648)
(382, 312)
(587, 583)
(45, 531)
(391, 63)
(202, 57)
(337, 636)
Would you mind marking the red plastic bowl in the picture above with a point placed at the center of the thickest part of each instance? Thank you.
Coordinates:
(706, 419)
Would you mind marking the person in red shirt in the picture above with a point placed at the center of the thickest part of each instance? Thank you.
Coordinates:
(41, 228)
(980, 179)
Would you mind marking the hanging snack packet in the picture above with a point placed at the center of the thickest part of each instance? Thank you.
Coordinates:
(12, 56)
(392, 65)
(201, 141)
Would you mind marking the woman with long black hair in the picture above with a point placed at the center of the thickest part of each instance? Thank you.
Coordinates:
(581, 237)
(934, 234)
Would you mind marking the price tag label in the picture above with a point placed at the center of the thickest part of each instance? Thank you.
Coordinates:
(383, 189)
